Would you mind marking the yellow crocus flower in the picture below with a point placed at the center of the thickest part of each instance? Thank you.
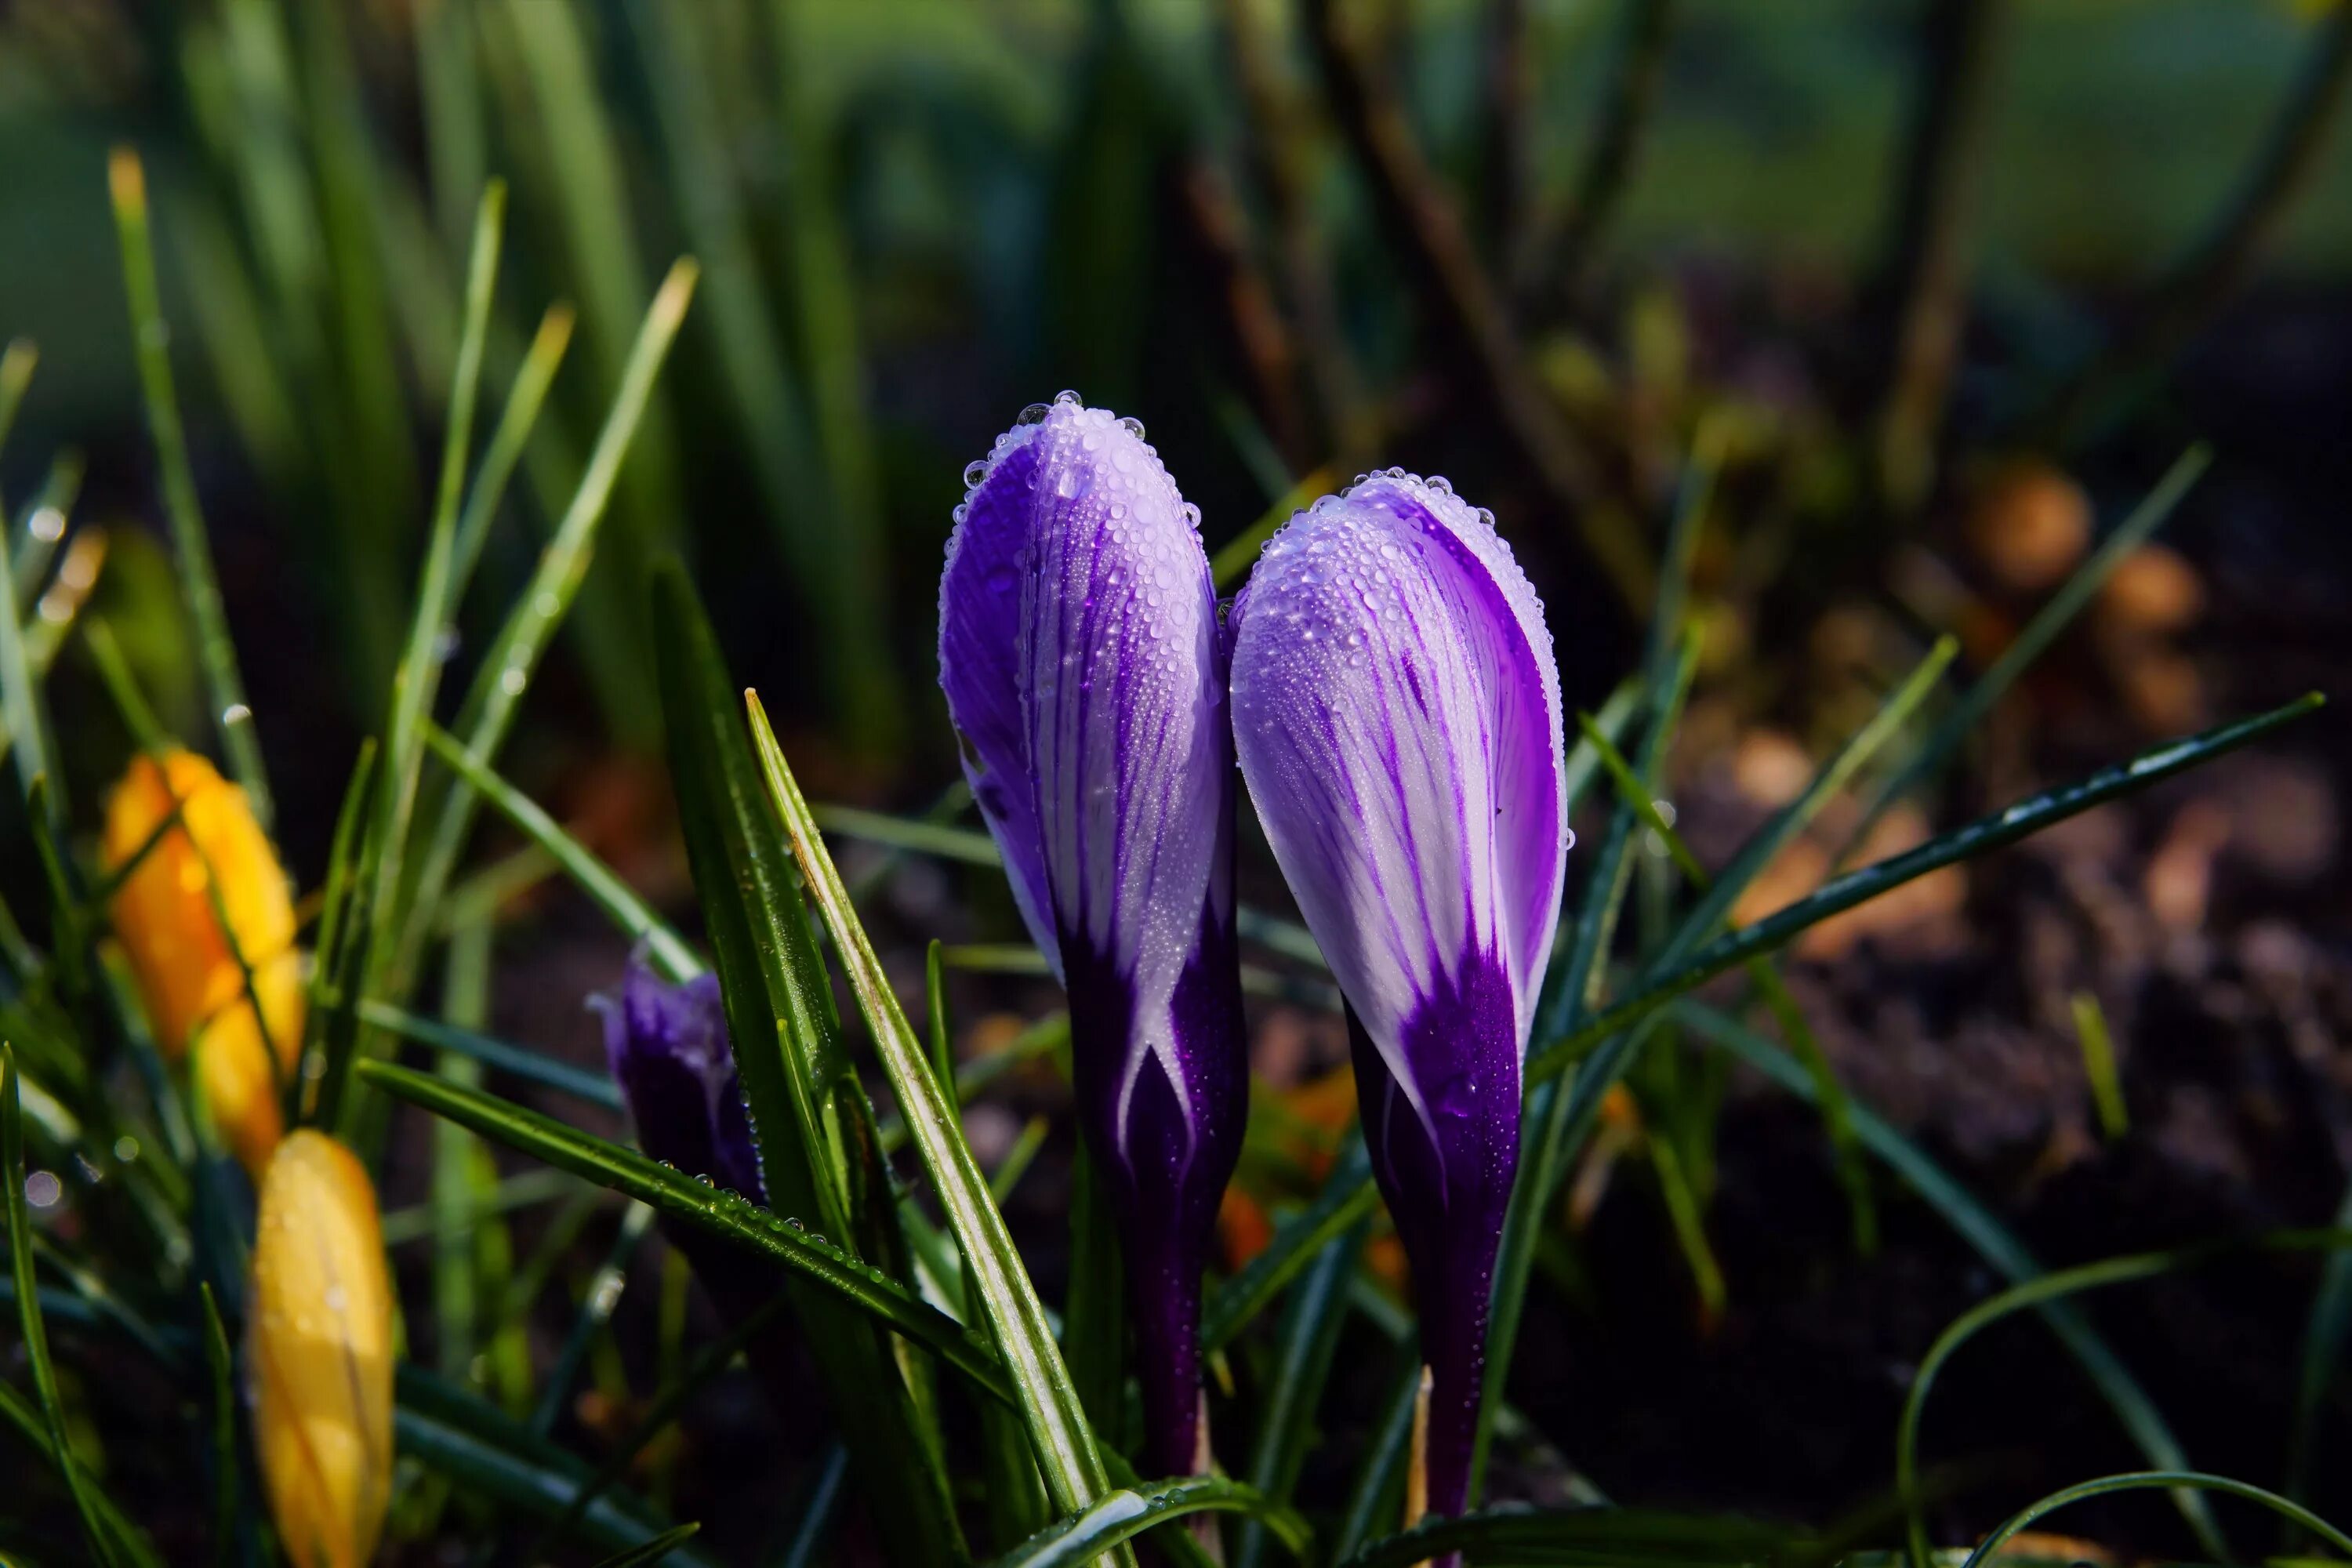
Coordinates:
(186, 968)
(319, 1354)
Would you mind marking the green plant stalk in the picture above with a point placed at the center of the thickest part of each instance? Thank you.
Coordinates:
(1305, 1341)
(215, 652)
(1122, 1515)
(513, 658)
(2175, 1481)
(508, 438)
(2099, 1064)
(1073, 1468)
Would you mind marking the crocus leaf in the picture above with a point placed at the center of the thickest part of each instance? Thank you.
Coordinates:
(819, 1149)
(625, 1171)
(653, 1550)
(1304, 1342)
(1066, 1455)
(1122, 1515)
(2174, 1481)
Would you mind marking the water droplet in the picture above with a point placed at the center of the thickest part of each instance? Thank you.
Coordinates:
(236, 713)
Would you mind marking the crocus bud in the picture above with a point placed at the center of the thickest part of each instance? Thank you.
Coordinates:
(319, 1354)
(1397, 714)
(187, 970)
(1081, 657)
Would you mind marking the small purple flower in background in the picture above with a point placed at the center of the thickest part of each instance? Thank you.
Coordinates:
(1397, 713)
(666, 1047)
(1080, 654)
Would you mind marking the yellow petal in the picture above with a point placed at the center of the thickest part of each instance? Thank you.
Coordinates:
(319, 1350)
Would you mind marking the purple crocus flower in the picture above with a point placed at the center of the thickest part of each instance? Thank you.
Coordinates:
(1083, 667)
(1397, 713)
(666, 1047)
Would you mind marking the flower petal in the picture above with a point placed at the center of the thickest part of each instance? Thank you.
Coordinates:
(1398, 717)
(1080, 654)
(666, 1047)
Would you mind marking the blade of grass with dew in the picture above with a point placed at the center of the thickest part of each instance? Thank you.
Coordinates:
(2053, 1286)
(417, 676)
(2175, 1481)
(84, 1491)
(1067, 1457)
(1122, 1515)
(810, 1116)
(1305, 1341)
(525, 397)
(514, 656)
(1972, 1220)
(1604, 1537)
(1982, 836)
(1041, 1039)
(625, 1171)
(2038, 634)
(26, 711)
(42, 527)
(617, 900)
(2098, 1048)
(215, 652)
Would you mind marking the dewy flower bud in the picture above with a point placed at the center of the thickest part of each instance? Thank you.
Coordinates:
(1081, 657)
(187, 972)
(319, 1354)
(1397, 714)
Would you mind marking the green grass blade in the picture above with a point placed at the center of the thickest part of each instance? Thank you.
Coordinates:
(1067, 1455)
(505, 448)
(1094, 1309)
(1600, 1537)
(1979, 837)
(1346, 1201)
(85, 1492)
(25, 713)
(1306, 1341)
(2323, 1353)
(17, 363)
(514, 656)
(419, 675)
(619, 901)
(2175, 1481)
(1975, 1225)
(220, 1362)
(1234, 558)
(1122, 1515)
(653, 1550)
(26, 1416)
(42, 527)
(334, 901)
(2099, 1064)
(673, 1193)
(597, 1303)
(810, 1116)
(1378, 1486)
(215, 652)
(2037, 635)
(484, 1452)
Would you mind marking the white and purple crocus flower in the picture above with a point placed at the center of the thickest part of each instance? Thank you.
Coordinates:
(1085, 670)
(1397, 713)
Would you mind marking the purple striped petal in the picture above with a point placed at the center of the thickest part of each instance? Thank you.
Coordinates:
(1397, 713)
(666, 1047)
(1084, 668)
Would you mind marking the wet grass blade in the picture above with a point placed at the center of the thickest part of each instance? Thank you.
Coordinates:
(1122, 1515)
(2038, 634)
(1066, 1455)
(25, 713)
(199, 582)
(85, 1492)
(1979, 837)
(819, 1148)
(42, 527)
(630, 1174)
(1977, 1225)
(619, 901)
